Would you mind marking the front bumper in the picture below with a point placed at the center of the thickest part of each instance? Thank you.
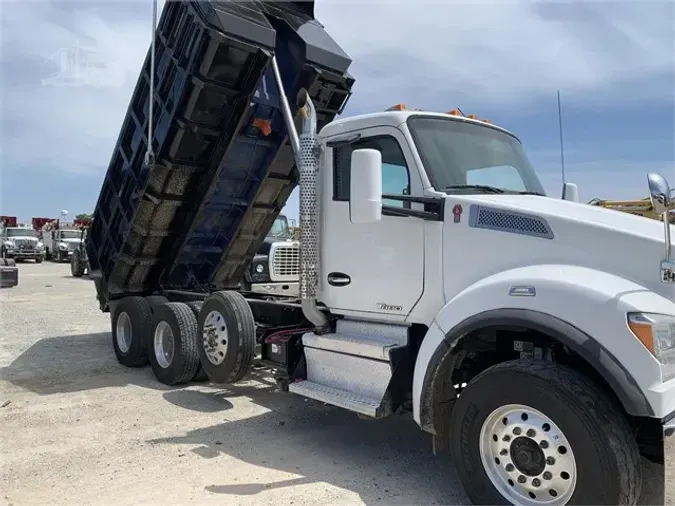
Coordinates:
(282, 289)
(21, 254)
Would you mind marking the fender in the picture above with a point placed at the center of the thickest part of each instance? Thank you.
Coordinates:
(581, 307)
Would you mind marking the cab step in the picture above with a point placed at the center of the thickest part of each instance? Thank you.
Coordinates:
(341, 398)
(351, 368)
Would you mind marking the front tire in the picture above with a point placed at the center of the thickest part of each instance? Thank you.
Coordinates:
(531, 432)
(76, 266)
(227, 337)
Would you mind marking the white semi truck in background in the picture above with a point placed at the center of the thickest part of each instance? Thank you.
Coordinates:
(534, 337)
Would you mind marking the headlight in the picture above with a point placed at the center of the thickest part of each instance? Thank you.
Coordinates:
(40, 245)
(657, 333)
(10, 245)
(62, 245)
(259, 268)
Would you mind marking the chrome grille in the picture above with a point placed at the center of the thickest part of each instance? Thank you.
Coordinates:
(285, 261)
(26, 243)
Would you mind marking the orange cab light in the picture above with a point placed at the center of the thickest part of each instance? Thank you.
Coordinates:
(455, 112)
(487, 121)
(397, 107)
(472, 116)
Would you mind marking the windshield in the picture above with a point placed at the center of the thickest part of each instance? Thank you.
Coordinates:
(21, 232)
(70, 234)
(280, 228)
(457, 153)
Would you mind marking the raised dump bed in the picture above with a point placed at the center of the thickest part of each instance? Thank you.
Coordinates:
(224, 167)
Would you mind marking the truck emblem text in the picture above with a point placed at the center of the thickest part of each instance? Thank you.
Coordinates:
(388, 307)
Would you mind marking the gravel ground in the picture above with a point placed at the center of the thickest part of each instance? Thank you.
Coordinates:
(78, 428)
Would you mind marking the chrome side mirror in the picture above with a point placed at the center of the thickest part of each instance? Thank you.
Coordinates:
(659, 193)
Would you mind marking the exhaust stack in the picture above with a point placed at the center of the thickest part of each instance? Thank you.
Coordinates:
(305, 151)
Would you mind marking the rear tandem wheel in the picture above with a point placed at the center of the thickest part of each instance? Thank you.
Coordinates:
(172, 349)
(227, 337)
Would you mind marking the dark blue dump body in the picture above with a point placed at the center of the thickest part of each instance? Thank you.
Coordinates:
(194, 220)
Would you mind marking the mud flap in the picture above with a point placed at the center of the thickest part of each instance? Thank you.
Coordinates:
(669, 463)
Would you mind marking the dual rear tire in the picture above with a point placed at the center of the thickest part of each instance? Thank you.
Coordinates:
(183, 342)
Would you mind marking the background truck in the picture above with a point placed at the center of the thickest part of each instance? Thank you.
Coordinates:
(60, 240)
(19, 242)
(435, 275)
(79, 262)
(275, 269)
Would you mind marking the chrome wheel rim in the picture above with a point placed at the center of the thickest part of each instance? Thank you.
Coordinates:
(215, 337)
(527, 457)
(123, 332)
(164, 344)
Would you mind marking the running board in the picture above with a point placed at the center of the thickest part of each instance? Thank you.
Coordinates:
(342, 399)
(351, 368)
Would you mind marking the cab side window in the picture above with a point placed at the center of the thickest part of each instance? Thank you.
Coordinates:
(395, 173)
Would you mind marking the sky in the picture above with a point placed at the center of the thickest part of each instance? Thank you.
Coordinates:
(613, 62)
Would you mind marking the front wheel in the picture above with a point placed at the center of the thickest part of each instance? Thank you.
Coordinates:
(532, 433)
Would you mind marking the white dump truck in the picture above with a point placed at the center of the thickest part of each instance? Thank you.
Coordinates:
(21, 243)
(60, 240)
(532, 336)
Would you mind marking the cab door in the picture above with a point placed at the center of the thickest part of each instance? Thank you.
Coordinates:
(376, 268)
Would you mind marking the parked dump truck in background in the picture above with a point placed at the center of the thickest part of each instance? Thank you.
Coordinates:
(18, 241)
(60, 240)
(79, 262)
(416, 283)
(275, 269)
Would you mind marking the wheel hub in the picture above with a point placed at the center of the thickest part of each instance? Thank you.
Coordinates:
(527, 457)
(215, 337)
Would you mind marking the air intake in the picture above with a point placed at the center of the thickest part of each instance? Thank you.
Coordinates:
(509, 221)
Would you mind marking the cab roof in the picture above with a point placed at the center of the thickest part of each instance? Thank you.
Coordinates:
(395, 118)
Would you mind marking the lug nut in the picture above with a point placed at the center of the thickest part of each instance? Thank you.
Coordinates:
(547, 475)
(531, 433)
(536, 482)
(509, 468)
(506, 438)
(517, 431)
(550, 461)
(503, 453)
(522, 479)
(544, 444)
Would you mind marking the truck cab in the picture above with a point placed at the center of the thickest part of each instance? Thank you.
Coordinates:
(60, 241)
(21, 243)
(275, 269)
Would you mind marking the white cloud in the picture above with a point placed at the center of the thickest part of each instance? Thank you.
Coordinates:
(506, 53)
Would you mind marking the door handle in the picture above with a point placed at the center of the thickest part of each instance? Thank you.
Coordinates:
(339, 279)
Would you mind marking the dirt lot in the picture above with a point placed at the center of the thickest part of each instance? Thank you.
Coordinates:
(78, 428)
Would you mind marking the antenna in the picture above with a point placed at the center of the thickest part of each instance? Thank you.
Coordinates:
(562, 147)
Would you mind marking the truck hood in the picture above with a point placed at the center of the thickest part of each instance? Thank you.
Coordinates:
(618, 243)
